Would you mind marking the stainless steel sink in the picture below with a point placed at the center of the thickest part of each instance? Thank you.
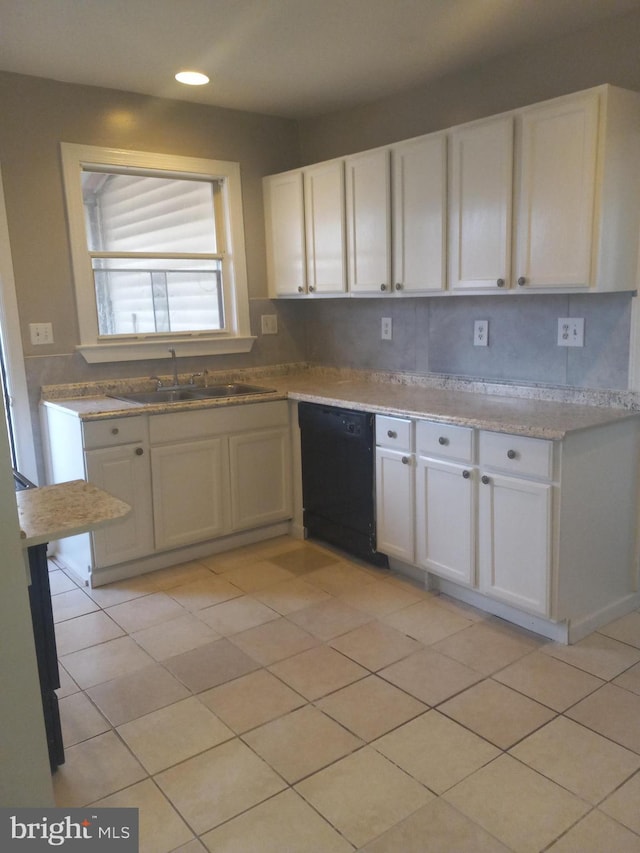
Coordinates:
(180, 395)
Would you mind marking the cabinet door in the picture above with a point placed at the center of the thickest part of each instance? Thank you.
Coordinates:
(480, 205)
(325, 228)
(284, 220)
(190, 483)
(260, 469)
(395, 504)
(515, 541)
(123, 471)
(445, 528)
(369, 222)
(556, 193)
(419, 211)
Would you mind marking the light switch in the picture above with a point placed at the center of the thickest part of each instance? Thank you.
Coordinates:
(41, 333)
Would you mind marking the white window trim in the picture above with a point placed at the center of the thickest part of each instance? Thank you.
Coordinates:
(236, 338)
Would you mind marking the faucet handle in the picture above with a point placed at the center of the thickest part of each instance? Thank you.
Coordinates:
(194, 376)
(158, 381)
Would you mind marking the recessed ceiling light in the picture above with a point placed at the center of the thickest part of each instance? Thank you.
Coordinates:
(192, 78)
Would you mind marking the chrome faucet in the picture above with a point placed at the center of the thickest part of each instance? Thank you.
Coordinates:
(175, 367)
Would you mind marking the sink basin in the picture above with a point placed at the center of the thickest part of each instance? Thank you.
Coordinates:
(179, 395)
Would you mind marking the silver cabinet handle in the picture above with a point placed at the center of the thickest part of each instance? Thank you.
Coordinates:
(139, 451)
(466, 474)
(311, 288)
(522, 281)
(405, 460)
(392, 433)
(511, 454)
(300, 289)
(115, 431)
(500, 282)
(442, 440)
(485, 480)
(399, 286)
(383, 287)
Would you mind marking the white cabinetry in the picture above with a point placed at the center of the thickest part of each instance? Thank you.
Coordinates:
(445, 500)
(113, 454)
(216, 472)
(368, 183)
(325, 228)
(395, 490)
(515, 520)
(284, 221)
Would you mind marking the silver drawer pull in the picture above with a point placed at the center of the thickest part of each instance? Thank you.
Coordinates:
(139, 451)
(485, 480)
(392, 433)
(466, 474)
(405, 460)
(115, 431)
(511, 454)
(442, 440)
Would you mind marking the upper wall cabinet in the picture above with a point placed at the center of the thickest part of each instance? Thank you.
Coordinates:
(325, 228)
(284, 221)
(572, 168)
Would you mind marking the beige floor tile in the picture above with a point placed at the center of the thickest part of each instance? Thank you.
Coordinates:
(80, 719)
(371, 707)
(548, 680)
(380, 598)
(265, 550)
(93, 769)
(210, 665)
(172, 734)
(517, 805)
(304, 559)
(596, 833)
(375, 645)
(194, 846)
(85, 631)
(59, 582)
(329, 619)
(116, 593)
(497, 713)
(164, 579)
(141, 613)
(301, 743)
(68, 605)
(318, 671)
(204, 592)
(427, 621)
(251, 700)
(283, 823)
(601, 656)
(218, 784)
(175, 636)
(626, 629)
(577, 758)
(67, 684)
(161, 828)
(489, 646)
(109, 660)
(363, 795)
(131, 696)
(238, 614)
(436, 828)
(622, 805)
(461, 608)
(339, 577)
(630, 679)
(255, 576)
(436, 751)
(612, 712)
(291, 595)
(430, 677)
(274, 641)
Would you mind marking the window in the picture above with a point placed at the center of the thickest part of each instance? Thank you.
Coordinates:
(157, 244)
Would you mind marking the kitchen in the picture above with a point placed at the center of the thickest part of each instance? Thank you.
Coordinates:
(344, 334)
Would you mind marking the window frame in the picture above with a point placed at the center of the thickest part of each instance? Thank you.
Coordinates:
(236, 337)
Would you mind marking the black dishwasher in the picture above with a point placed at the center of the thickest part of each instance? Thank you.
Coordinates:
(338, 478)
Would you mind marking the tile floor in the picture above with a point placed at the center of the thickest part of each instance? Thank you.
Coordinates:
(282, 698)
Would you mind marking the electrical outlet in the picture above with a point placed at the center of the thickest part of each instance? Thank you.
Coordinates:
(269, 324)
(481, 333)
(570, 331)
(41, 333)
(386, 329)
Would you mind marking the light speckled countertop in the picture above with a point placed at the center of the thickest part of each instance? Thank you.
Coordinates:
(65, 509)
(531, 411)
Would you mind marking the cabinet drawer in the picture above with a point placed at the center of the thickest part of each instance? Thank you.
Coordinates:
(517, 454)
(394, 432)
(114, 431)
(446, 440)
(181, 426)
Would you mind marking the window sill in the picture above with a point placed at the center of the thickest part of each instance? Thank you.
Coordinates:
(148, 349)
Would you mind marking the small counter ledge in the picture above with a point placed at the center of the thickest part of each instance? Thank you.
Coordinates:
(65, 509)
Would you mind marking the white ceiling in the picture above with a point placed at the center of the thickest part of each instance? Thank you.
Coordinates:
(284, 57)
